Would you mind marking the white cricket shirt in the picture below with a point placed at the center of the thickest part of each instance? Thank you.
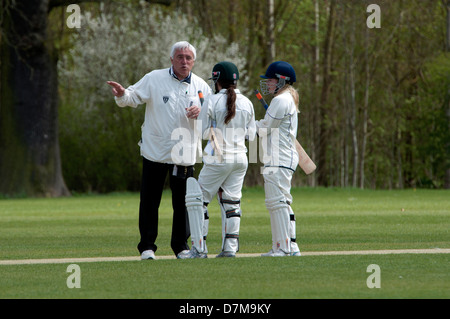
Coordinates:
(233, 134)
(167, 133)
(278, 131)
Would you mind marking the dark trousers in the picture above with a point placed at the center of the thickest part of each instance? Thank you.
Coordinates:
(153, 179)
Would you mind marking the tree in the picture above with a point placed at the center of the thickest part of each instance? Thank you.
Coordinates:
(29, 151)
(447, 107)
(29, 148)
(100, 150)
(323, 144)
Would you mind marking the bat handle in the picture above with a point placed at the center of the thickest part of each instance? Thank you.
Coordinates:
(261, 99)
(200, 95)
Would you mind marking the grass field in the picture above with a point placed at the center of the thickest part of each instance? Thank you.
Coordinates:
(327, 220)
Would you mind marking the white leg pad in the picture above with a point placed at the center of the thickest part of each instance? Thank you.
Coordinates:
(196, 214)
(279, 217)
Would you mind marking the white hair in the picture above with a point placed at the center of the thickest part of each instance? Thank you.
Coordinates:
(183, 45)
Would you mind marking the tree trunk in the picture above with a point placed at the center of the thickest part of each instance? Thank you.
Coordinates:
(29, 148)
(232, 19)
(322, 169)
(366, 109)
(315, 79)
(448, 26)
(446, 107)
(30, 162)
(270, 30)
(447, 171)
(353, 127)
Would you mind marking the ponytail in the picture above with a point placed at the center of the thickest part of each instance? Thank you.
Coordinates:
(231, 104)
(231, 99)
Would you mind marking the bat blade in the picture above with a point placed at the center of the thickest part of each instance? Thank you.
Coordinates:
(215, 144)
(212, 134)
(304, 161)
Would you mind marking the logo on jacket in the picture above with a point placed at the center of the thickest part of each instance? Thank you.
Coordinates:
(165, 99)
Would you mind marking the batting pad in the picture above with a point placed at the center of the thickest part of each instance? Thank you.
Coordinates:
(194, 206)
(279, 218)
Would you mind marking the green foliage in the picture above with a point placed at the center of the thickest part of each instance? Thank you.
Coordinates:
(100, 147)
(401, 69)
(433, 105)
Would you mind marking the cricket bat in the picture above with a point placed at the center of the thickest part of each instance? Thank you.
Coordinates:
(213, 138)
(304, 161)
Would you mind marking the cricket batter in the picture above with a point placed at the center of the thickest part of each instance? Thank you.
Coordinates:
(172, 105)
(278, 131)
(233, 117)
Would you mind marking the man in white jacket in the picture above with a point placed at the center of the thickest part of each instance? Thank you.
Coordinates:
(168, 144)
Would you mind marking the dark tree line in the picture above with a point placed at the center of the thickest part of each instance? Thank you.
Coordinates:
(374, 102)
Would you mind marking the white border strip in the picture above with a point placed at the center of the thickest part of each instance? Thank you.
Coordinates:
(311, 253)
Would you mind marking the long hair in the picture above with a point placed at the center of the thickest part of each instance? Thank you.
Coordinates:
(231, 98)
(293, 92)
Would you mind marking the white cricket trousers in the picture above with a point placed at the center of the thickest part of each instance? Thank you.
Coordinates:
(228, 175)
(226, 180)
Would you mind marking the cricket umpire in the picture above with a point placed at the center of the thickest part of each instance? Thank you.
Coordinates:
(172, 105)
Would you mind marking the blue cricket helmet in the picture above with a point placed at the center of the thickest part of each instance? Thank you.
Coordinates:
(280, 70)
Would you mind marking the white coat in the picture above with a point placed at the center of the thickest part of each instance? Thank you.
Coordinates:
(167, 133)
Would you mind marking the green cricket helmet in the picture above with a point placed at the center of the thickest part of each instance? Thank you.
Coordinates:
(226, 71)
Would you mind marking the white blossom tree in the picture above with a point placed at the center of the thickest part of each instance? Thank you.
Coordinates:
(125, 44)
(121, 43)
